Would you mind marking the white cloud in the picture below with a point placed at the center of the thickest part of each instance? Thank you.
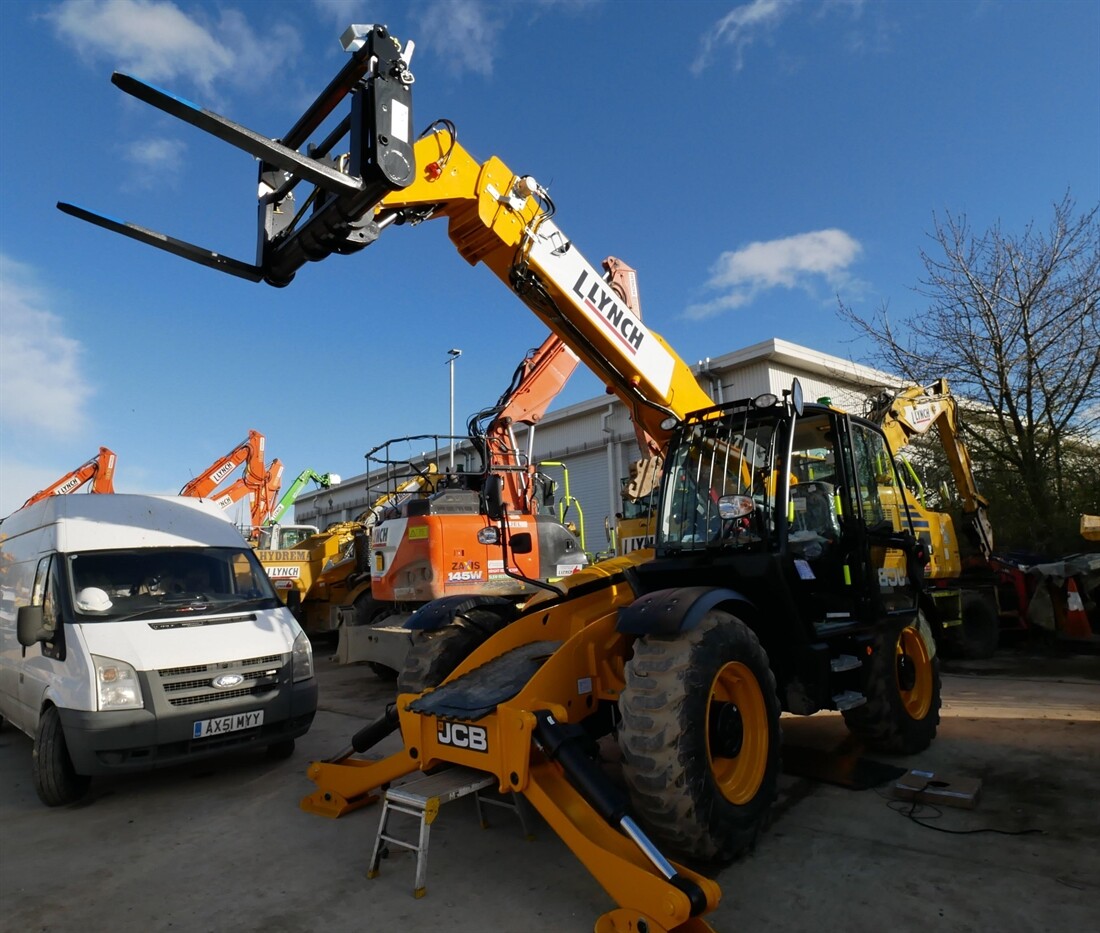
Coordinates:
(755, 21)
(156, 154)
(345, 12)
(42, 386)
(156, 41)
(792, 262)
(462, 34)
(740, 28)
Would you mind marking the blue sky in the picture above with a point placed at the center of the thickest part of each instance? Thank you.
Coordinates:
(752, 160)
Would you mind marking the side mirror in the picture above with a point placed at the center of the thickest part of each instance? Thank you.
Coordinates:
(731, 507)
(521, 543)
(29, 626)
(494, 497)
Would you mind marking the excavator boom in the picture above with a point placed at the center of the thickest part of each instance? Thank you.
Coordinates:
(249, 452)
(914, 412)
(99, 471)
(324, 480)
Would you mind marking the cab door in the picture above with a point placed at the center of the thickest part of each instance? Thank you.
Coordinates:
(39, 661)
(880, 523)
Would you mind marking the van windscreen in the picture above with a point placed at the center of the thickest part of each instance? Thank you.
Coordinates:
(107, 585)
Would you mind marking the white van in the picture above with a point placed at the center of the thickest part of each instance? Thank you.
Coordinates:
(138, 632)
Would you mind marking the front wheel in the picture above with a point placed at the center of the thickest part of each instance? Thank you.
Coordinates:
(700, 738)
(902, 711)
(277, 751)
(435, 654)
(55, 780)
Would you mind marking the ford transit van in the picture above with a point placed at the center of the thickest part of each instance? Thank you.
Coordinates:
(138, 632)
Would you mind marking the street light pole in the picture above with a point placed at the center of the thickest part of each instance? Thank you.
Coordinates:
(453, 355)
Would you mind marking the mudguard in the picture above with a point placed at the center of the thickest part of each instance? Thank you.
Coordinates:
(440, 612)
(675, 610)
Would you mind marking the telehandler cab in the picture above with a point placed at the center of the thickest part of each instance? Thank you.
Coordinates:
(777, 580)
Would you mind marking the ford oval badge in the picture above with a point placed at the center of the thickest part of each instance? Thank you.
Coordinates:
(223, 681)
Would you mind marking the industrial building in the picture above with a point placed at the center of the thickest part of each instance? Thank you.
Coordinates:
(595, 440)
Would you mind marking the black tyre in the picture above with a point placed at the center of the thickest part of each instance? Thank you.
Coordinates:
(700, 738)
(281, 749)
(902, 711)
(382, 671)
(980, 632)
(55, 780)
(435, 654)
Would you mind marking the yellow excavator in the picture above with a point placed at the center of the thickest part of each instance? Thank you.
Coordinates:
(780, 577)
(964, 587)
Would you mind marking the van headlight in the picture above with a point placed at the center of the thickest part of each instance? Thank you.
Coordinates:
(116, 683)
(301, 660)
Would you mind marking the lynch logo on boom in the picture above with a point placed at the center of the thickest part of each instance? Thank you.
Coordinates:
(601, 300)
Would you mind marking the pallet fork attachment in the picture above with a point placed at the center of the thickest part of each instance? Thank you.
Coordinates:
(345, 192)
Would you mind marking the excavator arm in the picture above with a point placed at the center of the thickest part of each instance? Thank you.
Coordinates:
(99, 471)
(261, 493)
(249, 452)
(324, 480)
(914, 412)
(537, 380)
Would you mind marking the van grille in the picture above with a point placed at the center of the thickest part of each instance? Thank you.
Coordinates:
(193, 685)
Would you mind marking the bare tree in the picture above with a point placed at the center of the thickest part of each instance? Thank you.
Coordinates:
(1013, 323)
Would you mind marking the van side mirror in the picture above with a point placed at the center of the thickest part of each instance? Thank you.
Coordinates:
(494, 497)
(30, 627)
(521, 543)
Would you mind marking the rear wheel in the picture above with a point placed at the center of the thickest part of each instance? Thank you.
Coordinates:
(55, 780)
(902, 711)
(979, 634)
(435, 654)
(700, 738)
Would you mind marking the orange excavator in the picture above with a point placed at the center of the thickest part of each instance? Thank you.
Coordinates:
(433, 545)
(99, 471)
(259, 481)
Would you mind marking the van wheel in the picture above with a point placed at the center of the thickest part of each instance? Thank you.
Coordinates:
(55, 780)
(700, 738)
(280, 750)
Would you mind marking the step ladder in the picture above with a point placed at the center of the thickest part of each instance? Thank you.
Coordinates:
(422, 798)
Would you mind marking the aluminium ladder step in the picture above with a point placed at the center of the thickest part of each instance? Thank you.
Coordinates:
(422, 799)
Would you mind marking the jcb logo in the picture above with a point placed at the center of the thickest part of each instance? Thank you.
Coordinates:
(460, 735)
(891, 577)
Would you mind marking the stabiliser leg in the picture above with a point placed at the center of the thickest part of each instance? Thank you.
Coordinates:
(563, 743)
(340, 782)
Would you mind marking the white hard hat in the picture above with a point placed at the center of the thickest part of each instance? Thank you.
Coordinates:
(93, 599)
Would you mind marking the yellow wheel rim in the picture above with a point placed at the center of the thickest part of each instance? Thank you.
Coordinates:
(737, 733)
(913, 669)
